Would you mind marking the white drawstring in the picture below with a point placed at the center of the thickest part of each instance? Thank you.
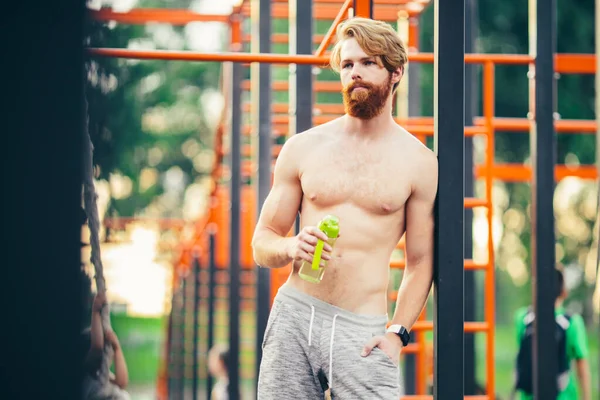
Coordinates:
(312, 318)
(331, 352)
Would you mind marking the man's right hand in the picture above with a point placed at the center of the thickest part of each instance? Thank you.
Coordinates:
(302, 247)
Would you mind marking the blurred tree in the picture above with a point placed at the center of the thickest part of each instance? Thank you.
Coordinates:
(148, 118)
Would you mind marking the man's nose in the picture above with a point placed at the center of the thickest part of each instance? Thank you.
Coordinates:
(356, 73)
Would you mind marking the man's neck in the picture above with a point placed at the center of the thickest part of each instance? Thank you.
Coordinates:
(374, 127)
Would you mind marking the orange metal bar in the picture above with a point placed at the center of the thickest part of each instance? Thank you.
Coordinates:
(503, 172)
(522, 173)
(523, 125)
(281, 129)
(163, 223)
(329, 36)
(323, 61)
(575, 63)
(425, 397)
(142, 16)
(283, 38)
(499, 123)
(469, 265)
(172, 55)
(362, 8)
(471, 327)
(328, 11)
(377, 2)
(489, 298)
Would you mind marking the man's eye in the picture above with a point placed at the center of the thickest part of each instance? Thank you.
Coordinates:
(347, 65)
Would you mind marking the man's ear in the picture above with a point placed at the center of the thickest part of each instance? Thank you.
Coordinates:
(397, 74)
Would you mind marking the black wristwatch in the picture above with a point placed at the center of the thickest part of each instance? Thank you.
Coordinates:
(401, 331)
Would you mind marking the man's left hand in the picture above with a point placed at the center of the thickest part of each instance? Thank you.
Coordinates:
(389, 343)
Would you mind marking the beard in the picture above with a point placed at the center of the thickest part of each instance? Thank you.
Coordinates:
(368, 102)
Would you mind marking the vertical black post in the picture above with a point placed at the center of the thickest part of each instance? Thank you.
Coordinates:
(182, 338)
(196, 275)
(471, 91)
(45, 291)
(301, 76)
(265, 158)
(234, 231)
(171, 370)
(212, 269)
(301, 82)
(543, 156)
(449, 69)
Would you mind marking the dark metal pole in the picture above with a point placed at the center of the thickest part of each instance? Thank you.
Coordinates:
(212, 267)
(234, 231)
(471, 91)
(301, 76)
(543, 160)
(449, 70)
(181, 361)
(196, 276)
(170, 355)
(265, 158)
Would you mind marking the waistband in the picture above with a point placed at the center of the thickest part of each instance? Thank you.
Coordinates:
(288, 294)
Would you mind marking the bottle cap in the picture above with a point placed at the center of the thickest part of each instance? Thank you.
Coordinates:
(330, 226)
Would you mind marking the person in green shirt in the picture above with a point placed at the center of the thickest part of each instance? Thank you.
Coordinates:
(575, 344)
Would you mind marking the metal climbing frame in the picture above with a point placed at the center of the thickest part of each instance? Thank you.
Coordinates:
(276, 120)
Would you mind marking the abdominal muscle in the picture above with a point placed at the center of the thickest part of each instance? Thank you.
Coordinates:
(357, 276)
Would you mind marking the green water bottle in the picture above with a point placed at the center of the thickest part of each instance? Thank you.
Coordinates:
(313, 272)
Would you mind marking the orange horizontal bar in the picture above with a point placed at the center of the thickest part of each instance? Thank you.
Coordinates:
(283, 38)
(377, 2)
(575, 63)
(308, 59)
(469, 265)
(502, 172)
(425, 397)
(471, 202)
(499, 123)
(121, 222)
(524, 125)
(173, 55)
(281, 127)
(523, 173)
(470, 327)
(140, 16)
(328, 11)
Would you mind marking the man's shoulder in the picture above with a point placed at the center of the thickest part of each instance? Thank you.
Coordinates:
(422, 155)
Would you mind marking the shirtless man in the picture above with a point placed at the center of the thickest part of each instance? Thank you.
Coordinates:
(380, 182)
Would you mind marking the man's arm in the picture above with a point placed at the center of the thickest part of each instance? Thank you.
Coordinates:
(418, 273)
(121, 377)
(269, 243)
(584, 378)
(94, 355)
(577, 339)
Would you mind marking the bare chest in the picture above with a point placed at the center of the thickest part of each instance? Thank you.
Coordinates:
(379, 185)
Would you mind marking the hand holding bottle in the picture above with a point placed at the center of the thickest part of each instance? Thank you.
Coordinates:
(328, 231)
(305, 242)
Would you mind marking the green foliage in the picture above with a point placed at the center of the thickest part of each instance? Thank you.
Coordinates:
(143, 114)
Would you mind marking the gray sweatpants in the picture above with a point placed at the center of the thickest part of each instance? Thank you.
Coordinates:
(310, 345)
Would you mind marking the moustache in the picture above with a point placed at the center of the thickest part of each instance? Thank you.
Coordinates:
(356, 85)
